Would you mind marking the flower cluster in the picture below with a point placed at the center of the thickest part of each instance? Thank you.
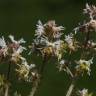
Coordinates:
(72, 43)
(12, 51)
(26, 72)
(17, 49)
(91, 24)
(91, 11)
(47, 40)
(83, 66)
(85, 46)
(3, 48)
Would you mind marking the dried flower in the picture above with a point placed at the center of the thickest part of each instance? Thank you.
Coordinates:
(16, 42)
(83, 92)
(92, 25)
(24, 71)
(16, 55)
(49, 30)
(40, 29)
(83, 66)
(47, 39)
(52, 31)
(4, 48)
(82, 28)
(91, 11)
(71, 43)
(59, 48)
(54, 49)
(69, 39)
(2, 42)
(91, 44)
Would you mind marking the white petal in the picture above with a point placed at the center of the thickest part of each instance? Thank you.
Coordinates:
(21, 41)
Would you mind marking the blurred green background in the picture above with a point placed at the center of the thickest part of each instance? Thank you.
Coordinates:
(19, 17)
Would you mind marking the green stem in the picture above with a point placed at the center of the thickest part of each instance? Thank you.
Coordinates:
(71, 87)
(69, 72)
(8, 72)
(87, 39)
(8, 76)
(37, 82)
(6, 90)
(35, 87)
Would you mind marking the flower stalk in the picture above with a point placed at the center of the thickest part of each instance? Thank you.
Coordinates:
(71, 87)
(37, 81)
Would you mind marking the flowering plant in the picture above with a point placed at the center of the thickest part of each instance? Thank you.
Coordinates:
(51, 43)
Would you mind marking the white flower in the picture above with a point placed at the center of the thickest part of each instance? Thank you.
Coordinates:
(57, 44)
(44, 41)
(71, 43)
(40, 29)
(60, 28)
(91, 10)
(33, 74)
(92, 24)
(76, 29)
(24, 70)
(62, 65)
(86, 62)
(69, 39)
(29, 67)
(58, 35)
(54, 26)
(84, 65)
(62, 62)
(87, 8)
(3, 46)
(92, 44)
(57, 47)
(17, 54)
(16, 42)
(51, 26)
(54, 30)
(20, 50)
(2, 42)
(83, 92)
(41, 41)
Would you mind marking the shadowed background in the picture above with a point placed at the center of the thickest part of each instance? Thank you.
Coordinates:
(19, 17)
